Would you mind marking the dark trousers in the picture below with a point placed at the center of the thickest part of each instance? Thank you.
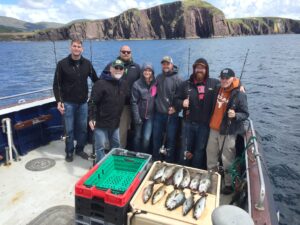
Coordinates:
(169, 124)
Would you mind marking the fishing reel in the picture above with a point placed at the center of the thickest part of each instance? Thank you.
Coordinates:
(163, 150)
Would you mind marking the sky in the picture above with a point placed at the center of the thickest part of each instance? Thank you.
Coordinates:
(64, 11)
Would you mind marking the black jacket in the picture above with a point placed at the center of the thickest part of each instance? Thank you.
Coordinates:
(131, 74)
(200, 111)
(142, 99)
(237, 102)
(70, 80)
(167, 85)
(107, 101)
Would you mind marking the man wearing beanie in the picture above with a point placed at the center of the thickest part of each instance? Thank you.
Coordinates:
(230, 111)
(196, 97)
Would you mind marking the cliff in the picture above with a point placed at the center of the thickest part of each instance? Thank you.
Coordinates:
(182, 19)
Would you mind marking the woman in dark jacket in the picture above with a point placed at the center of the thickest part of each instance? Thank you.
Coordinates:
(142, 106)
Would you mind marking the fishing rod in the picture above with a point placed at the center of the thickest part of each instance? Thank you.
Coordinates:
(65, 136)
(189, 58)
(220, 168)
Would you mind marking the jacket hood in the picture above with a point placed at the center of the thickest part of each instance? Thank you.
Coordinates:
(147, 66)
(204, 62)
(106, 75)
(173, 72)
(235, 84)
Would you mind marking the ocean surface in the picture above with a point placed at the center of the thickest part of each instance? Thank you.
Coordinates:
(271, 78)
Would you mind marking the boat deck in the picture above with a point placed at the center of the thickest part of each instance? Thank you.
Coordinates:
(25, 194)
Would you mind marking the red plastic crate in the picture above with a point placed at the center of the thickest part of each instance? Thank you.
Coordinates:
(109, 198)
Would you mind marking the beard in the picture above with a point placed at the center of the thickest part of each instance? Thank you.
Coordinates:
(200, 76)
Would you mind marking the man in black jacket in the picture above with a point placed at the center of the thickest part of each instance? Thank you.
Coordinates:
(166, 117)
(105, 108)
(70, 89)
(227, 121)
(196, 97)
(131, 74)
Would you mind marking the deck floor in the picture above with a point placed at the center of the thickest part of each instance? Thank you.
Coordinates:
(25, 194)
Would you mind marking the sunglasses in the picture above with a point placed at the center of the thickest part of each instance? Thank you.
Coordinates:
(225, 77)
(126, 52)
(119, 68)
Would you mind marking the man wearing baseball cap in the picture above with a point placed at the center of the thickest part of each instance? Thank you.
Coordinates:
(105, 108)
(230, 111)
(166, 117)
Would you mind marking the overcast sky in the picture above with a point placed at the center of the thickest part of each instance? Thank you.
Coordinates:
(64, 11)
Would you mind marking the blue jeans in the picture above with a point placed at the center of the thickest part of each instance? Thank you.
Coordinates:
(105, 138)
(161, 125)
(75, 122)
(142, 135)
(194, 139)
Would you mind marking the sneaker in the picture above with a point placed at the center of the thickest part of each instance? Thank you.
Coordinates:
(227, 190)
(83, 155)
(69, 157)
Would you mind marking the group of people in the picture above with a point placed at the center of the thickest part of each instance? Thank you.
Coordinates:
(125, 95)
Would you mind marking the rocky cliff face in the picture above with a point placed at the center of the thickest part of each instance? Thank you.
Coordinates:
(264, 25)
(182, 19)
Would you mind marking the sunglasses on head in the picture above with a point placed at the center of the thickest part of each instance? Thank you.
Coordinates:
(119, 68)
(126, 52)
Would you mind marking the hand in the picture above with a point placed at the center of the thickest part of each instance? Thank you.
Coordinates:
(61, 107)
(188, 155)
(231, 113)
(186, 103)
(171, 110)
(92, 124)
(242, 89)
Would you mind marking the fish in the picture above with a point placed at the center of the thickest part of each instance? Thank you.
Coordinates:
(158, 174)
(205, 183)
(188, 205)
(195, 183)
(199, 207)
(147, 192)
(175, 199)
(178, 177)
(186, 179)
(167, 173)
(159, 194)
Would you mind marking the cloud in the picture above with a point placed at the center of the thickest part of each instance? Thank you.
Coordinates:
(65, 11)
(68, 10)
(255, 8)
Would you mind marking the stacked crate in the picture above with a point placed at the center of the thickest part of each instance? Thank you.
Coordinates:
(102, 195)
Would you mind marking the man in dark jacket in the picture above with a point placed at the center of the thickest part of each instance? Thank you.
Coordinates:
(196, 97)
(227, 121)
(142, 104)
(166, 117)
(131, 74)
(105, 108)
(70, 89)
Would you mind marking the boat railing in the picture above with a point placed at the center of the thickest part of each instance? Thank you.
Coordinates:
(22, 98)
(258, 158)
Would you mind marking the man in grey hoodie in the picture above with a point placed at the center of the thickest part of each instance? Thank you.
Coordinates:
(166, 117)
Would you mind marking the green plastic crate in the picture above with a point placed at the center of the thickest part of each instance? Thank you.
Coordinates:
(116, 173)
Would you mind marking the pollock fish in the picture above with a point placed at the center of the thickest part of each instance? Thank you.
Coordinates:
(159, 174)
(199, 207)
(205, 183)
(186, 179)
(178, 177)
(147, 192)
(188, 205)
(159, 194)
(169, 171)
(195, 183)
(175, 199)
